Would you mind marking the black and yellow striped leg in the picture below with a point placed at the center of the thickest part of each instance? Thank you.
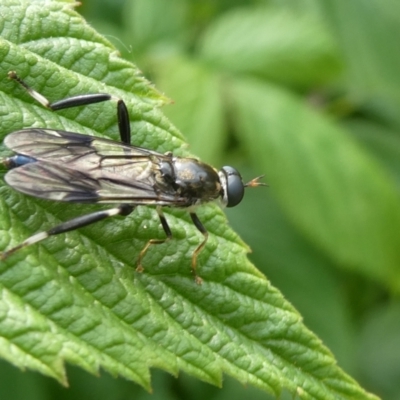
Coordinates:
(78, 222)
(167, 231)
(82, 100)
(200, 247)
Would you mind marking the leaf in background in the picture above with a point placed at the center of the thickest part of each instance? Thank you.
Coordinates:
(368, 34)
(158, 23)
(379, 352)
(379, 140)
(197, 110)
(274, 44)
(76, 298)
(333, 191)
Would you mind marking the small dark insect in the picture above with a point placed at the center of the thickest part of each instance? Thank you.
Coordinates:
(67, 166)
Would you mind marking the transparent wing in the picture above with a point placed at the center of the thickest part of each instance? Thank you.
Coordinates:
(66, 147)
(57, 182)
(80, 168)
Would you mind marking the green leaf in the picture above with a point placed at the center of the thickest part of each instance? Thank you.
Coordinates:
(157, 23)
(368, 35)
(76, 298)
(379, 354)
(313, 285)
(331, 188)
(197, 110)
(381, 141)
(272, 43)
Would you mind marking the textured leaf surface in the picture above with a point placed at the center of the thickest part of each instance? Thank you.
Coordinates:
(78, 299)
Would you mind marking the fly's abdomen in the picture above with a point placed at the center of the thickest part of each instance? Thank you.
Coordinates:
(18, 160)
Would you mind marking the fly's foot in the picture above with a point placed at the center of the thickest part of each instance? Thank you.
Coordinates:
(197, 279)
(139, 268)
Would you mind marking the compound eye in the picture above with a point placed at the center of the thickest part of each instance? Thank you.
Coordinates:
(234, 186)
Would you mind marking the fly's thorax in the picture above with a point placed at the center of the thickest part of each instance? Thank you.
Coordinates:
(196, 180)
(164, 175)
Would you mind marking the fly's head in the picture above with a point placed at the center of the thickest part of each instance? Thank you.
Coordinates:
(233, 186)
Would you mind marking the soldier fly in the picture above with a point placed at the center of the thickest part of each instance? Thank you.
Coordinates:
(71, 167)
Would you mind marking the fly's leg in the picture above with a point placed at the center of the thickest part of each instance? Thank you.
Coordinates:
(167, 231)
(82, 100)
(200, 247)
(79, 222)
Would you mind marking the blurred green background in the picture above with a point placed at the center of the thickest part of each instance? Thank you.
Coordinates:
(306, 92)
